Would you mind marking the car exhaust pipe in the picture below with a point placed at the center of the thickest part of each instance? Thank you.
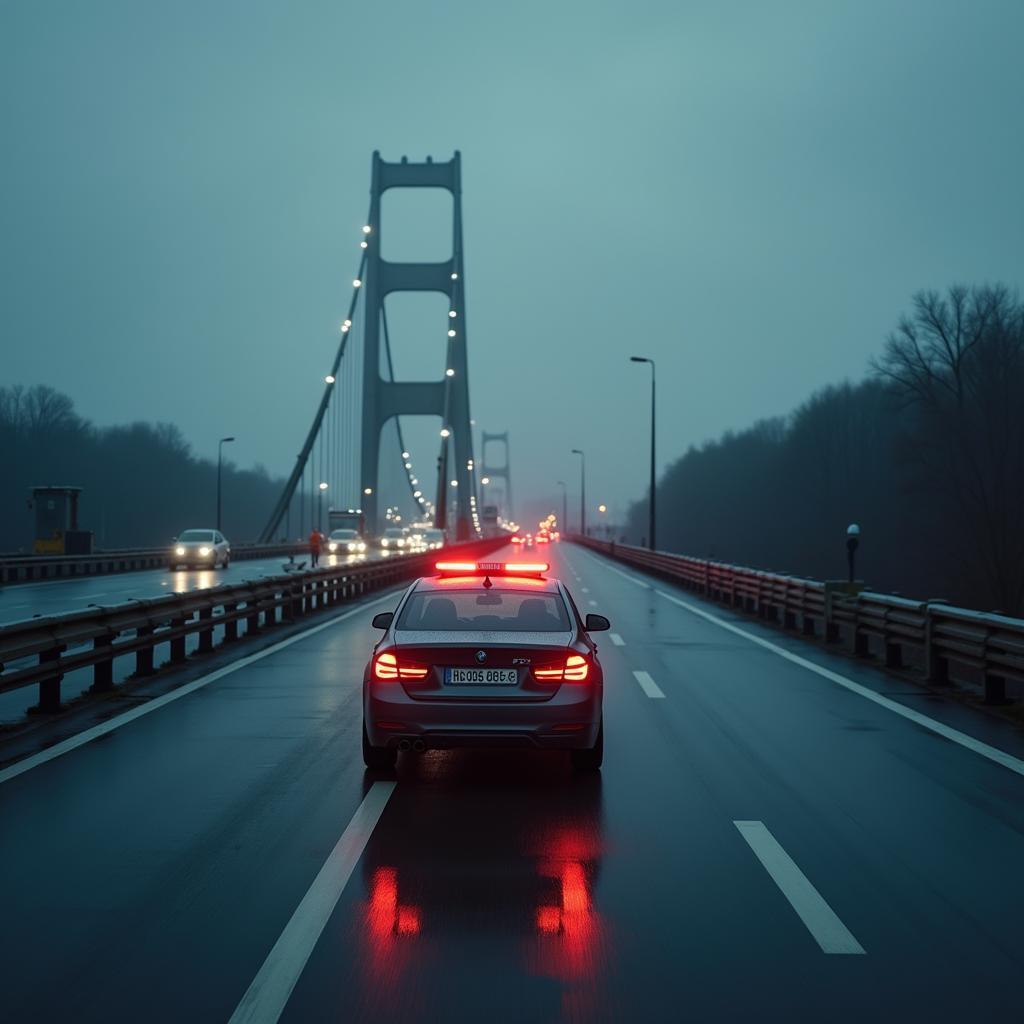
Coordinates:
(419, 746)
(404, 745)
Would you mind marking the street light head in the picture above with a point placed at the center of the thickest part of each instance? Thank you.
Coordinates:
(853, 530)
(602, 508)
(323, 485)
(485, 480)
(576, 451)
(638, 359)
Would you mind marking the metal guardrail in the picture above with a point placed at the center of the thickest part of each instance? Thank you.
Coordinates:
(928, 636)
(96, 636)
(29, 568)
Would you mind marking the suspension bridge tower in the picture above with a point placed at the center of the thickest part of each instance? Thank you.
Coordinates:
(447, 398)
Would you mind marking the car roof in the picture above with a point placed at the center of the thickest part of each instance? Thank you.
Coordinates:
(439, 584)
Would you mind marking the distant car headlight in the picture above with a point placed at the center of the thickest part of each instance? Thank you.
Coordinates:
(179, 550)
(401, 542)
(384, 542)
(352, 547)
(204, 551)
(333, 546)
(361, 546)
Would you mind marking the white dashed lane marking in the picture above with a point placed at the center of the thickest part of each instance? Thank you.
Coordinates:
(648, 685)
(616, 639)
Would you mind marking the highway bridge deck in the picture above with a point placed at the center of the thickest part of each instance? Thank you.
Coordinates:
(763, 843)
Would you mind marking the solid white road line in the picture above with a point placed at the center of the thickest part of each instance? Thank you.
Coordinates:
(616, 639)
(648, 685)
(635, 580)
(59, 749)
(820, 919)
(1015, 764)
(267, 996)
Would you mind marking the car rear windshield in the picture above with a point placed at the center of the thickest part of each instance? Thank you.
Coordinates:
(514, 610)
(202, 536)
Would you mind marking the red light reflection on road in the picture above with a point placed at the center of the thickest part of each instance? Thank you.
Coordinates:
(570, 943)
(385, 916)
(572, 923)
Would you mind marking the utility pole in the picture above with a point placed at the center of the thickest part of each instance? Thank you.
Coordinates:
(652, 520)
(220, 463)
(583, 490)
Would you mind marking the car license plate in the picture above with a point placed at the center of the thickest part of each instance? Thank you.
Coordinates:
(481, 676)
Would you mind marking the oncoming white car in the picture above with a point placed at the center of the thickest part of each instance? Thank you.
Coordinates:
(346, 542)
(200, 548)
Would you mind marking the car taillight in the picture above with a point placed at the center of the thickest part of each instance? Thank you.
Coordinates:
(574, 670)
(387, 666)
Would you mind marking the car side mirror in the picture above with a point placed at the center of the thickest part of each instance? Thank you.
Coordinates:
(595, 623)
(382, 620)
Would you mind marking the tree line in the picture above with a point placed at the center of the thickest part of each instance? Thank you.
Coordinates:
(926, 454)
(142, 485)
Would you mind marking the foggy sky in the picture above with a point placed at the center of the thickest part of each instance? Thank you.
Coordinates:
(747, 192)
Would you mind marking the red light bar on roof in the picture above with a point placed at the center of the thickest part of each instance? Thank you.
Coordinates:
(493, 568)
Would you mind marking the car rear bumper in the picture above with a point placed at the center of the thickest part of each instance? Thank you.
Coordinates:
(568, 721)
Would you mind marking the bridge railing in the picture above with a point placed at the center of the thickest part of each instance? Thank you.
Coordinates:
(43, 650)
(26, 568)
(923, 636)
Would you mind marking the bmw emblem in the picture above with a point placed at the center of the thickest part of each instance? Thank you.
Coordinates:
(481, 656)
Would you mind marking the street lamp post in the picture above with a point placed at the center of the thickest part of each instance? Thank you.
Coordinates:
(583, 491)
(852, 541)
(319, 511)
(565, 505)
(652, 519)
(220, 463)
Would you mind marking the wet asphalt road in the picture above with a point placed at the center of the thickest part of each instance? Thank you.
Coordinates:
(149, 875)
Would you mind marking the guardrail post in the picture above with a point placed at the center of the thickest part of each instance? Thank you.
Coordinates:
(231, 626)
(893, 648)
(936, 667)
(995, 689)
(859, 642)
(252, 618)
(49, 688)
(103, 671)
(144, 655)
(177, 643)
(206, 634)
(806, 618)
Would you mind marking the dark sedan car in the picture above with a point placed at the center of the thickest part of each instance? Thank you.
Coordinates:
(485, 654)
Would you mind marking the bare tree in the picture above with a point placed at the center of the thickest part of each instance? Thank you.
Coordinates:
(958, 366)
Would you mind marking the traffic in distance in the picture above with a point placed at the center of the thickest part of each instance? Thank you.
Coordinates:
(208, 548)
(485, 654)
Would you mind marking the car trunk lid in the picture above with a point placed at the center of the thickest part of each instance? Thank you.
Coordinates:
(487, 657)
